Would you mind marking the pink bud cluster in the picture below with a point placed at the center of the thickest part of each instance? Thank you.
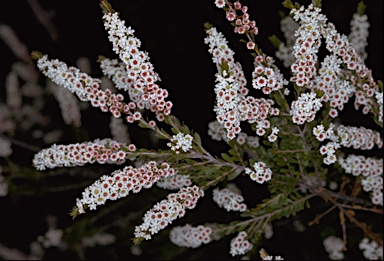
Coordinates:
(121, 182)
(188, 236)
(139, 70)
(307, 44)
(260, 173)
(174, 182)
(84, 86)
(78, 154)
(239, 245)
(371, 172)
(305, 107)
(168, 210)
(229, 200)
(242, 22)
(266, 75)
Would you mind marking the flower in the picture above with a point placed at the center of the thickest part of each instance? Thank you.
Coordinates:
(304, 108)
(261, 172)
(229, 200)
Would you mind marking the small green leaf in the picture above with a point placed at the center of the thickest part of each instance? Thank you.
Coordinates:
(226, 157)
(234, 175)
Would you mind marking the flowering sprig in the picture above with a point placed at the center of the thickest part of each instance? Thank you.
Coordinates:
(188, 236)
(229, 200)
(164, 212)
(120, 183)
(239, 244)
(78, 154)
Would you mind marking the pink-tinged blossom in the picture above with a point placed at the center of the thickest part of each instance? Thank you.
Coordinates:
(84, 86)
(78, 154)
(174, 182)
(266, 76)
(307, 44)
(229, 200)
(240, 245)
(121, 182)
(232, 103)
(239, 13)
(260, 172)
(304, 109)
(168, 210)
(138, 67)
(188, 236)
(370, 171)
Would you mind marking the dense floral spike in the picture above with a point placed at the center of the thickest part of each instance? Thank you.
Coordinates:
(345, 136)
(121, 182)
(167, 210)
(188, 236)
(370, 171)
(232, 103)
(359, 34)
(78, 154)
(84, 86)
(174, 182)
(138, 67)
(239, 245)
(229, 200)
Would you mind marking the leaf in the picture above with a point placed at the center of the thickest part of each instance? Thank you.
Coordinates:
(196, 138)
(226, 157)
(234, 175)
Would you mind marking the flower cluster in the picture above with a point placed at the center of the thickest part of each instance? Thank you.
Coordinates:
(121, 182)
(188, 236)
(371, 250)
(84, 86)
(261, 172)
(359, 33)
(305, 107)
(142, 87)
(371, 172)
(284, 53)
(349, 136)
(242, 22)
(229, 200)
(273, 136)
(232, 103)
(379, 98)
(307, 44)
(167, 210)
(180, 141)
(239, 245)
(334, 247)
(174, 182)
(78, 154)
(266, 75)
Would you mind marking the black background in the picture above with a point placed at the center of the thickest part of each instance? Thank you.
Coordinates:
(172, 33)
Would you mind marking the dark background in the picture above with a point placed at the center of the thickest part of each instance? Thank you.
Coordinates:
(172, 33)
